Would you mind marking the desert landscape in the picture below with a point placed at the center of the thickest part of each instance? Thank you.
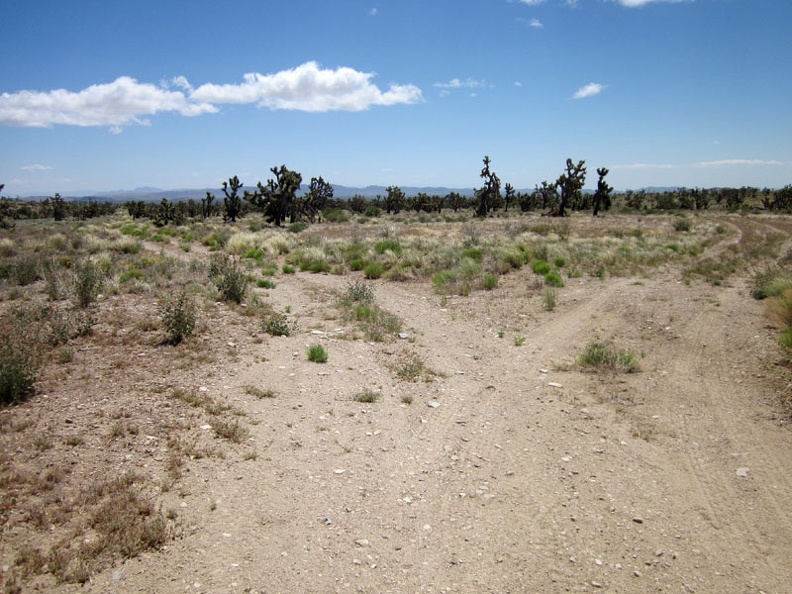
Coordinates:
(403, 403)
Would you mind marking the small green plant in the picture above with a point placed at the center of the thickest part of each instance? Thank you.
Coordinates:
(501, 332)
(265, 283)
(317, 353)
(297, 227)
(550, 298)
(540, 266)
(373, 270)
(519, 340)
(388, 245)
(560, 262)
(359, 292)
(490, 281)
(177, 312)
(288, 269)
(553, 279)
(230, 280)
(278, 324)
(603, 355)
(367, 397)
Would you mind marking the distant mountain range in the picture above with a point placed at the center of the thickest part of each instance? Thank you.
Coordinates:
(152, 194)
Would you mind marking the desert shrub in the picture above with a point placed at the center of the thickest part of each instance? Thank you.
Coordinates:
(553, 279)
(177, 312)
(367, 397)
(682, 224)
(602, 355)
(279, 325)
(20, 353)
(540, 266)
(317, 354)
(25, 270)
(265, 283)
(560, 262)
(230, 280)
(550, 298)
(388, 245)
(288, 269)
(490, 281)
(297, 227)
(771, 283)
(373, 270)
(335, 215)
(87, 282)
(359, 292)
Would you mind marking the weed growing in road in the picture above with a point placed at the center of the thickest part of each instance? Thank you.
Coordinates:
(602, 355)
(259, 393)
(279, 324)
(550, 298)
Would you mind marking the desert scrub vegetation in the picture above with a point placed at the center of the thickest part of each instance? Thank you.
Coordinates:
(359, 306)
(278, 324)
(602, 355)
(178, 314)
(229, 278)
(317, 354)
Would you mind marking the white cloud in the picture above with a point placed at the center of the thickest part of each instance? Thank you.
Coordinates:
(309, 88)
(639, 3)
(119, 103)
(517, 83)
(588, 90)
(456, 83)
(536, 24)
(373, 12)
(126, 101)
(736, 163)
(36, 167)
(529, 2)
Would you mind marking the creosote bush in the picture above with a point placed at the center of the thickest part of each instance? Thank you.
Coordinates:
(230, 280)
(278, 324)
(88, 281)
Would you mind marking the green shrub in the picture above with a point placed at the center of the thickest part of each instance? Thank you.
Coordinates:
(335, 215)
(88, 281)
(553, 279)
(682, 224)
(230, 280)
(317, 353)
(297, 227)
(490, 281)
(177, 312)
(388, 245)
(359, 292)
(279, 325)
(540, 266)
(373, 270)
(288, 269)
(550, 298)
(265, 283)
(602, 355)
(560, 262)
(25, 270)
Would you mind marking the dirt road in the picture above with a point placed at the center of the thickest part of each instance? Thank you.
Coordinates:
(504, 468)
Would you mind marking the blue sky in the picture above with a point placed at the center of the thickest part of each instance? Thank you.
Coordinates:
(105, 94)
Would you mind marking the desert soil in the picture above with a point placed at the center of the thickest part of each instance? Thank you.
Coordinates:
(503, 468)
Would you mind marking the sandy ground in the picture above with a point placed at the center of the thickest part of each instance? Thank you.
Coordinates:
(504, 468)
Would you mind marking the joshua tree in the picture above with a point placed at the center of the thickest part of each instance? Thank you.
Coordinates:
(602, 197)
(277, 198)
(508, 197)
(395, 200)
(319, 194)
(232, 202)
(570, 183)
(490, 194)
(206, 205)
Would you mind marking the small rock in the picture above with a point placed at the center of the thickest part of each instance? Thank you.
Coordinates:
(433, 404)
(404, 335)
(638, 520)
(339, 471)
(637, 573)
(362, 542)
(328, 522)
(743, 472)
(554, 385)
(478, 356)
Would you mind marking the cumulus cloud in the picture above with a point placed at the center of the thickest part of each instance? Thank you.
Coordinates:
(36, 167)
(588, 90)
(126, 101)
(309, 88)
(121, 102)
